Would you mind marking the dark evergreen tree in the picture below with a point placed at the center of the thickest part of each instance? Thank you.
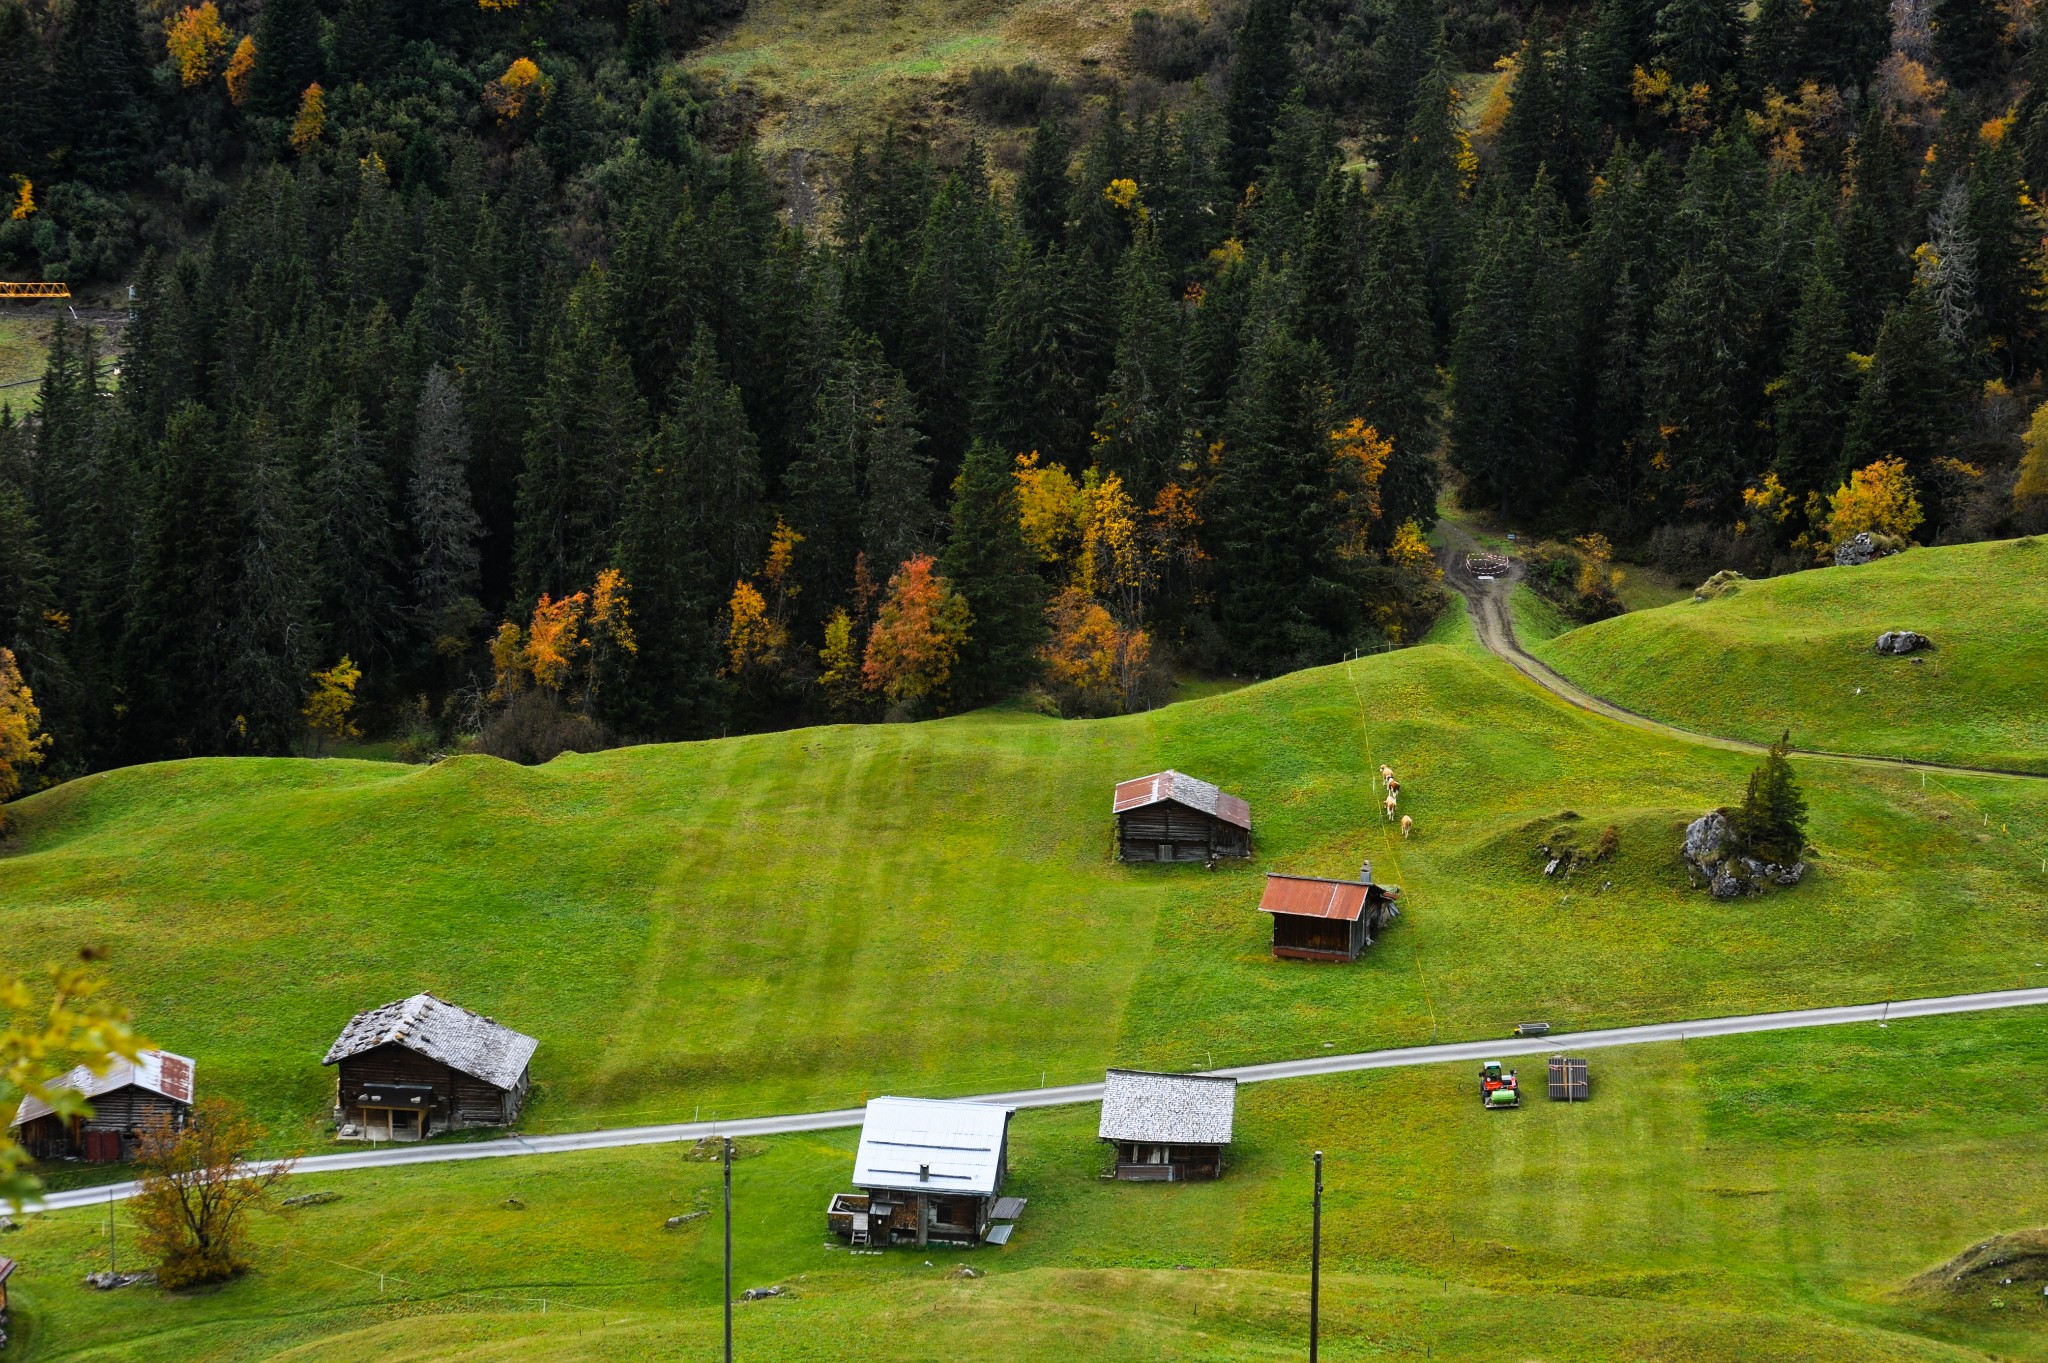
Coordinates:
(1969, 40)
(1700, 41)
(988, 563)
(1814, 395)
(1140, 422)
(1393, 383)
(1285, 598)
(1771, 822)
(1261, 71)
(352, 554)
(1031, 395)
(1878, 226)
(1841, 42)
(271, 636)
(585, 424)
(662, 136)
(1401, 59)
(950, 291)
(1043, 188)
(103, 76)
(288, 56)
(1911, 404)
(445, 527)
(646, 46)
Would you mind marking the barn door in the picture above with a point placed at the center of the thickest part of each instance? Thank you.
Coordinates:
(1166, 851)
(102, 1147)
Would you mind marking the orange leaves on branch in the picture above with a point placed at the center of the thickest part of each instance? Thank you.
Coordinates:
(1358, 457)
(1091, 662)
(240, 66)
(611, 614)
(555, 639)
(197, 41)
(917, 635)
(522, 86)
(312, 119)
(1115, 564)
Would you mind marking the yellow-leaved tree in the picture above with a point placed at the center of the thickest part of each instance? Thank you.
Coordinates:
(197, 41)
(1879, 498)
(24, 199)
(521, 89)
(917, 636)
(240, 66)
(22, 741)
(330, 710)
(2030, 492)
(311, 122)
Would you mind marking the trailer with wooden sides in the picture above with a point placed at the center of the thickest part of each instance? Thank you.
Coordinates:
(1570, 1081)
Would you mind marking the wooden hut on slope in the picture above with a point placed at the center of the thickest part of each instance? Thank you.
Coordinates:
(1172, 817)
(1315, 919)
(125, 1099)
(1167, 1128)
(421, 1065)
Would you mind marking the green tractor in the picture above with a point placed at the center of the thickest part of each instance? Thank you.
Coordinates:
(1497, 1087)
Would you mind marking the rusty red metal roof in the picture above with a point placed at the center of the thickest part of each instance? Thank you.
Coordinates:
(1184, 790)
(6, 1268)
(1314, 897)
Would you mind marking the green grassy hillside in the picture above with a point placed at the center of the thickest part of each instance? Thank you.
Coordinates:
(1795, 651)
(795, 920)
(1730, 1199)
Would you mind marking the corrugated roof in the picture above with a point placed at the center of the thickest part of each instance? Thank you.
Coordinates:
(958, 1145)
(1185, 790)
(6, 1267)
(1314, 897)
(1172, 1109)
(157, 1071)
(456, 1037)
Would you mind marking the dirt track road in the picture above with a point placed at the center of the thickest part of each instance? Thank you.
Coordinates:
(1487, 604)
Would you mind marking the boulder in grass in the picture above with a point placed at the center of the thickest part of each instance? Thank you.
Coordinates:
(1713, 863)
(1899, 642)
(1862, 547)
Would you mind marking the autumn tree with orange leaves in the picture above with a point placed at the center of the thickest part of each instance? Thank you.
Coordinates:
(917, 638)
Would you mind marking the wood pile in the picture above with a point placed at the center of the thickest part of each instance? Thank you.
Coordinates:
(1487, 565)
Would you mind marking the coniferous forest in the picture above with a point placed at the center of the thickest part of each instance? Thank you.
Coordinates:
(485, 383)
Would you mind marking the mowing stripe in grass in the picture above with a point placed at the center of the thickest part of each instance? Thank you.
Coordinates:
(1089, 1093)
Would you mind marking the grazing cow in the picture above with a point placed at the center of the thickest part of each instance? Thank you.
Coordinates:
(1392, 800)
(1393, 786)
(1386, 772)
(1407, 825)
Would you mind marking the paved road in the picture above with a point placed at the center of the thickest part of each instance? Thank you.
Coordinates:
(1487, 603)
(384, 1157)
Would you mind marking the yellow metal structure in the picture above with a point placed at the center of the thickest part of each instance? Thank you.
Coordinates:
(33, 290)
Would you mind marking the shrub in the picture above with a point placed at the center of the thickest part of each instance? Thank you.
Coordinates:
(1021, 94)
(1173, 47)
(535, 727)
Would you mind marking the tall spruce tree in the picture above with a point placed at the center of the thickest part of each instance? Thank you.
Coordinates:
(1771, 822)
(1393, 382)
(103, 75)
(1140, 422)
(988, 563)
(1911, 404)
(1261, 72)
(445, 526)
(1813, 397)
(1700, 41)
(288, 56)
(352, 541)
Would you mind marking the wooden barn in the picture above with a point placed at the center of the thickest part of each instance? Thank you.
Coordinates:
(1167, 1128)
(1327, 920)
(7, 1267)
(1172, 817)
(421, 1065)
(928, 1169)
(124, 1100)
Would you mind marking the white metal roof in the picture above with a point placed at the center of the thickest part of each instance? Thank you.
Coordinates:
(930, 1145)
(157, 1071)
(1173, 1109)
(478, 1046)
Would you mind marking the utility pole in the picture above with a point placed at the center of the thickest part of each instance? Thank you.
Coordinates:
(111, 1265)
(728, 1249)
(1315, 1266)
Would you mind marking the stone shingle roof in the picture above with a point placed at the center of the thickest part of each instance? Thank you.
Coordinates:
(456, 1037)
(1172, 1109)
(1182, 789)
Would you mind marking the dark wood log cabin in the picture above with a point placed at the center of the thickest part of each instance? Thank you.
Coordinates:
(1173, 817)
(125, 1100)
(1167, 1128)
(927, 1169)
(1327, 920)
(421, 1065)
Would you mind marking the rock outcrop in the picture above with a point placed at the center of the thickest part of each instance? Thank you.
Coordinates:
(1902, 641)
(1727, 582)
(1863, 547)
(1712, 861)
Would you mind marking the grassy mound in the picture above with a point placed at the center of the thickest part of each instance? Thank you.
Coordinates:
(2005, 1267)
(1722, 1199)
(794, 921)
(1796, 651)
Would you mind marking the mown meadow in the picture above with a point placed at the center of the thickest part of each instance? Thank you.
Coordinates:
(1733, 1198)
(1795, 652)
